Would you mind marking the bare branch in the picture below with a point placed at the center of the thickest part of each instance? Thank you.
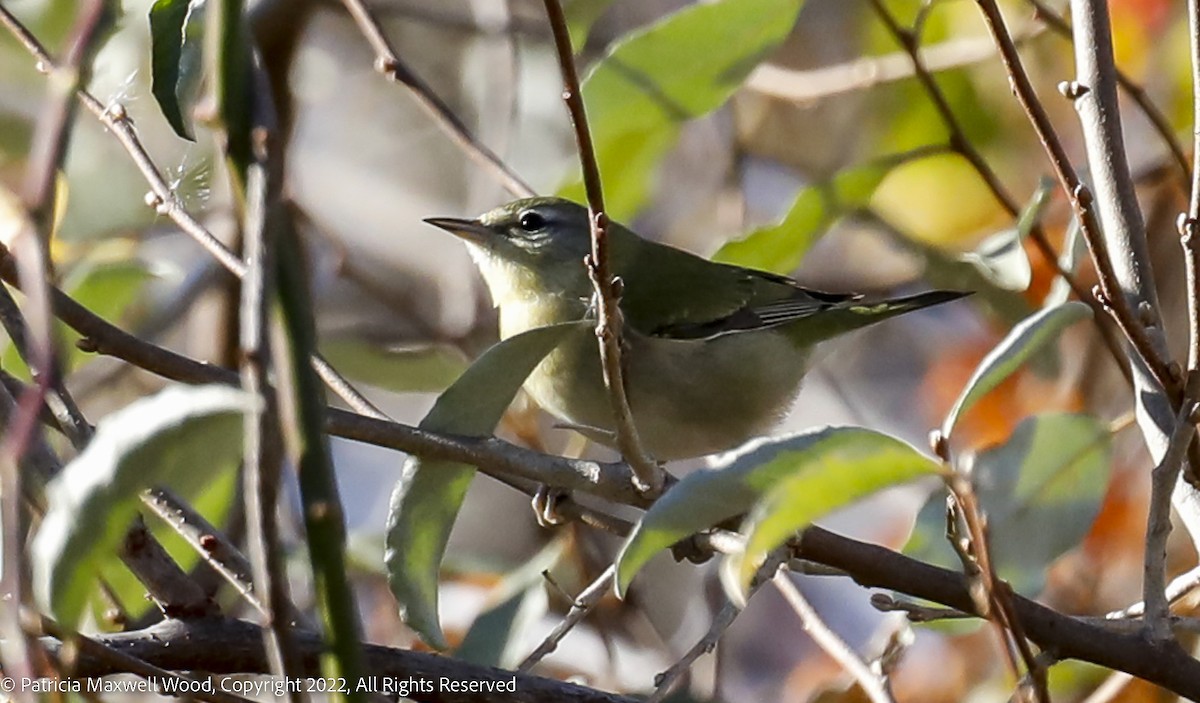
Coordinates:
(583, 604)
(607, 295)
(388, 63)
(829, 641)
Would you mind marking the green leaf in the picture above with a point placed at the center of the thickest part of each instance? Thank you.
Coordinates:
(849, 465)
(429, 494)
(519, 600)
(656, 78)
(424, 369)
(1041, 491)
(174, 438)
(781, 247)
(1022, 342)
(107, 289)
(842, 462)
(581, 15)
(1001, 257)
(175, 64)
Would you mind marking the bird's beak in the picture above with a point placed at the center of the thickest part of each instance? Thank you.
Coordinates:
(470, 230)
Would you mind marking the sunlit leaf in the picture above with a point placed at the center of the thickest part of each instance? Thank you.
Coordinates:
(781, 246)
(656, 78)
(1022, 342)
(1040, 491)
(1001, 257)
(178, 438)
(842, 463)
(849, 465)
(429, 494)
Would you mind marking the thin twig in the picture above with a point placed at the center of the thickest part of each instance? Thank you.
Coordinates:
(810, 85)
(665, 682)
(587, 599)
(607, 295)
(1158, 526)
(1080, 196)
(388, 63)
(996, 593)
(248, 132)
(1158, 121)
(207, 541)
(961, 145)
(829, 641)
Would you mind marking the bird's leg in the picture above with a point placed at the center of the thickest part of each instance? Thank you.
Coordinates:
(546, 501)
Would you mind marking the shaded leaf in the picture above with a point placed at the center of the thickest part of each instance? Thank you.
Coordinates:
(175, 48)
(423, 369)
(1041, 490)
(847, 460)
(654, 79)
(174, 438)
(106, 289)
(429, 494)
(1022, 342)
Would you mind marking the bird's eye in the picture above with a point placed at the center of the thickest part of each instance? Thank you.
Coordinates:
(531, 221)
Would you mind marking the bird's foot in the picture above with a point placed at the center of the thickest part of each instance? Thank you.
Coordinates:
(546, 502)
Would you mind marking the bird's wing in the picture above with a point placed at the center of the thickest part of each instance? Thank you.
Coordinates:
(701, 299)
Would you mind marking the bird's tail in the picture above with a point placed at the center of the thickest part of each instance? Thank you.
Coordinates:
(852, 314)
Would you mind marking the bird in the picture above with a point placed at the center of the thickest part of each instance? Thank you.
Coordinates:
(712, 354)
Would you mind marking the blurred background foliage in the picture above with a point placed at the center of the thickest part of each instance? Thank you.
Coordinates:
(774, 133)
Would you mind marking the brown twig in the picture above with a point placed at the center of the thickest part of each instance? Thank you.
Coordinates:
(388, 63)
(962, 146)
(120, 661)
(1158, 526)
(996, 593)
(829, 641)
(607, 294)
(1080, 196)
(1157, 119)
(583, 604)
(262, 462)
(810, 85)
(665, 682)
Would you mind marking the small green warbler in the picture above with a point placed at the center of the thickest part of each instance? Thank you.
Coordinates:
(712, 354)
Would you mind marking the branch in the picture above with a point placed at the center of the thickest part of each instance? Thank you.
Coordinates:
(1082, 200)
(962, 146)
(229, 646)
(1164, 664)
(1157, 119)
(1158, 525)
(829, 641)
(648, 475)
(392, 68)
(580, 607)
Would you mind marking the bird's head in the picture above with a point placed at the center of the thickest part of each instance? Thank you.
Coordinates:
(528, 247)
